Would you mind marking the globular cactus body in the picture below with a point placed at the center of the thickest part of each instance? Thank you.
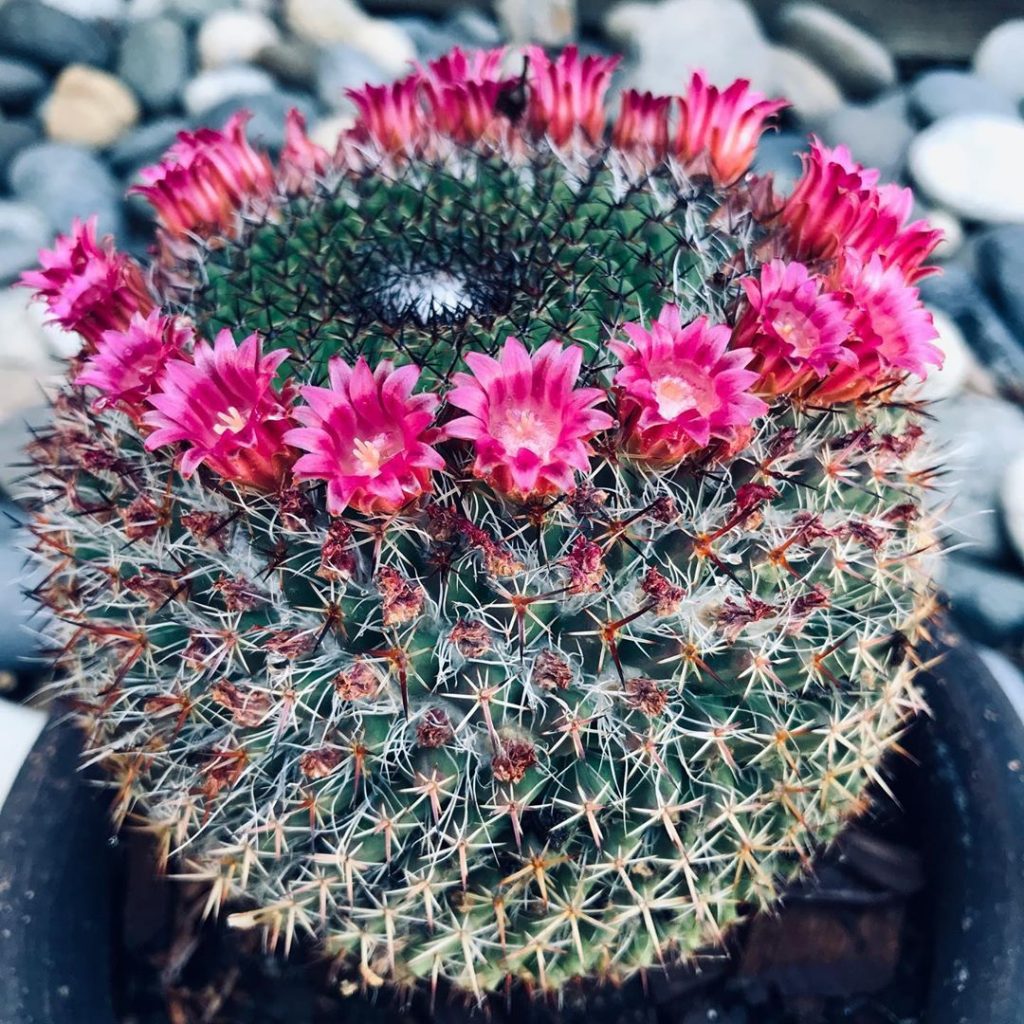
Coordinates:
(483, 658)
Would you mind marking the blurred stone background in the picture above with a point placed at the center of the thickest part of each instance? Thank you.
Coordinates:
(929, 92)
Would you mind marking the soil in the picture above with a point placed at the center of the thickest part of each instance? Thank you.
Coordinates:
(849, 945)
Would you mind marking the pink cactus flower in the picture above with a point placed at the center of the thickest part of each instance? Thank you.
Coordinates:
(566, 95)
(462, 90)
(682, 387)
(223, 405)
(127, 364)
(794, 325)
(303, 163)
(390, 116)
(368, 436)
(892, 333)
(718, 131)
(643, 123)
(205, 178)
(88, 286)
(528, 424)
(837, 204)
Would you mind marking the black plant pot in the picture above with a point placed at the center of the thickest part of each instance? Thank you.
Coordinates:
(968, 790)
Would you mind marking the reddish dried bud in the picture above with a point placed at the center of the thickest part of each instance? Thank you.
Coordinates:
(551, 671)
(663, 509)
(908, 512)
(336, 559)
(513, 761)
(434, 728)
(444, 521)
(357, 682)
(801, 609)
(587, 502)
(903, 444)
(402, 599)
(808, 527)
(296, 509)
(750, 496)
(782, 443)
(222, 770)
(289, 643)
(206, 527)
(859, 440)
(143, 518)
(665, 594)
(248, 707)
(870, 536)
(645, 695)
(586, 567)
(238, 594)
(157, 586)
(197, 651)
(318, 764)
(734, 617)
(471, 638)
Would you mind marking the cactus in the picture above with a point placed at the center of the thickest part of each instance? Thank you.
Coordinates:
(494, 547)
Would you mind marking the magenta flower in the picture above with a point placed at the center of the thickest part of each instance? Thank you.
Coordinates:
(462, 90)
(224, 407)
(681, 386)
(302, 163)
(368, 436)
(126, 364)
(795, 327)
(892, 333)
(89, 287)
(528, 424)
(391, 116)
(718, 131)
(205, 178)
(566, 94)
(838, 205)
(642, 123)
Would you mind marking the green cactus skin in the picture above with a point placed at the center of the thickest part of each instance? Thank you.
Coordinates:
(482, 740)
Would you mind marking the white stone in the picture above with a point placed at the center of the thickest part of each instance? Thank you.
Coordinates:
(552, 23)
(811, 91)
(22, 341)
(998, 57)
(19, 729)
(952, 233)
(971, 164)
(209, 88)
(1011, 495)
(385, 43)
(957, 364)
(90, 10)
(672, 39)
(342, 21)
(89, 107)
(327, 131)
(232, 37)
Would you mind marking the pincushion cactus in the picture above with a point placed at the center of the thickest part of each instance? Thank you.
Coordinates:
(494, 546)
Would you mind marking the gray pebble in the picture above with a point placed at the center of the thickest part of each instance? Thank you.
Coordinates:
(24, 230)
(291, 61)
(268, 111)
(21, 84)
(154, 61)
(66, 182)
(988, 603)
(14, 137)
(999, 254)
(342, 67)
(948, 91)
(51, 37)
(861, 65)
(145, 145)
(878, 134)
